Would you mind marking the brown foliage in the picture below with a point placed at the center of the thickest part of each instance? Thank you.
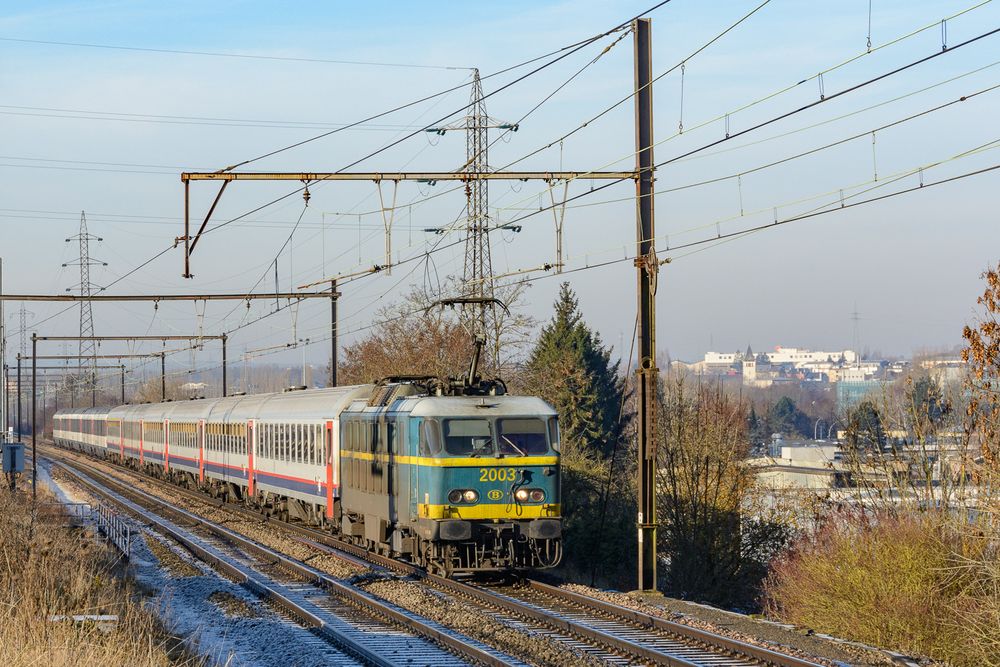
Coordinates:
(982, 353)
(417, 337)
(409, 339)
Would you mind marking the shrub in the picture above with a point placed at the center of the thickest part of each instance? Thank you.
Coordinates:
(884, 580)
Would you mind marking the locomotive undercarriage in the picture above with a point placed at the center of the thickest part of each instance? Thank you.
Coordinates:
(492, 547)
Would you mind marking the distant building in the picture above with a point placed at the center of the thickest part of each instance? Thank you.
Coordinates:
(946, 369)
(784, 364)
(852, 392)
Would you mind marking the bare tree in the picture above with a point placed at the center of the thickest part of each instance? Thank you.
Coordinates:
(717, 535)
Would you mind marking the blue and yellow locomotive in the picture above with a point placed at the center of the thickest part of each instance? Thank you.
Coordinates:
(459, 483)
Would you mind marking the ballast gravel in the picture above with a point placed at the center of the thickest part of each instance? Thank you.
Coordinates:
(474, 622)
(779, 637)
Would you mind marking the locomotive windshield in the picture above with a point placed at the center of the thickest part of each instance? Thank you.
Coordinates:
(468, 437)
(521, 436)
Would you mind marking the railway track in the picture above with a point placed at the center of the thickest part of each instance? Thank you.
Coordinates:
(608, 632)
(364, 629)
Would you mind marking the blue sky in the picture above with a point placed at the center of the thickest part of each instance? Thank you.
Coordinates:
(911, 264)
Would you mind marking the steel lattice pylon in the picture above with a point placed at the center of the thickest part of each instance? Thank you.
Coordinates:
(24, 313)
(88, 348)
(478, 273)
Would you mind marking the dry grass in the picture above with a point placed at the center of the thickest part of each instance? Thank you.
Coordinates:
(893, 582)
(47, 570)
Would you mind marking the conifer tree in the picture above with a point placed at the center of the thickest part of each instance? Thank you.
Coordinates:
(571, 368)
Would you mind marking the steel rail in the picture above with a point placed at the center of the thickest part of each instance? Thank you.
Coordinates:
(332, 585)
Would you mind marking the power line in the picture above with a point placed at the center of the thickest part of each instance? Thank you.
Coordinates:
(787, 114)
(219, 54)
(80, 114)
(811, 151)
(771, 225)
(768, 122)
(746, 106)
(564, 51)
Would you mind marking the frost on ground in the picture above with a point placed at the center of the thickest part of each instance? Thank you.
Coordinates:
(186, 594)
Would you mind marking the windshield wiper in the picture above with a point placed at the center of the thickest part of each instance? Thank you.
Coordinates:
(511, 443)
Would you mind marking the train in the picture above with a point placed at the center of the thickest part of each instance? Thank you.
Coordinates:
(460, 483)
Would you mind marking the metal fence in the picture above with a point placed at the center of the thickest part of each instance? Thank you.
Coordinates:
(68, 515)
(113, 526)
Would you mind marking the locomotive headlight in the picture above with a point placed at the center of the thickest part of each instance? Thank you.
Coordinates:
(536, 495)
(456, 496)
(521, 495)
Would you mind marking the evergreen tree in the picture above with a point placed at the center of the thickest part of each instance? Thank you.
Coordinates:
(786, 417)
(865, 432)
(571, 368)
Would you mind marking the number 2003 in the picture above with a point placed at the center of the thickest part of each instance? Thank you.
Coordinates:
(497, 474)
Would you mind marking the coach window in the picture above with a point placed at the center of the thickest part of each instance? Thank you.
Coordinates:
(311, 431)
(310, 444)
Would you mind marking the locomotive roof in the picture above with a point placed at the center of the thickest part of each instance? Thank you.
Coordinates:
(479, 406)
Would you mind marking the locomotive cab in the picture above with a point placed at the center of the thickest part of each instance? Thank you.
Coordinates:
(484, 493)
